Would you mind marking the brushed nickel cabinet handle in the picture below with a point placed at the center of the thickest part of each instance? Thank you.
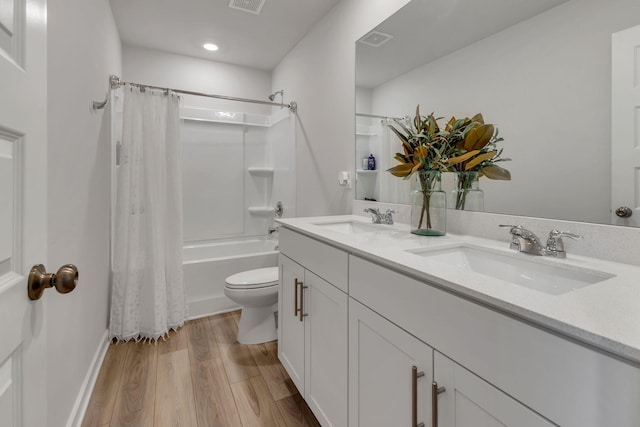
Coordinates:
(414, 396)
(295, 297)
(301, 312)
(435, 391)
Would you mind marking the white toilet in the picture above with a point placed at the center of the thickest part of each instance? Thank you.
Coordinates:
(257, 292)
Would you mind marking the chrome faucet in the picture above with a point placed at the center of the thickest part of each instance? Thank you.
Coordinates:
(376, 216)
(555, 245)
(526, 241)
(381, 218)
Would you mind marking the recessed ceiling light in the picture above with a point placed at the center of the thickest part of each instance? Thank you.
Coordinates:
(210, 46)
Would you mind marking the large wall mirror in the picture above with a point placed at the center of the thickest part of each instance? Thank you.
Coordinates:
(541, 71)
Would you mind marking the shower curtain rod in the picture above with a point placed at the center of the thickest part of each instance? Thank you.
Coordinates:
(373, 116)
(115, 82)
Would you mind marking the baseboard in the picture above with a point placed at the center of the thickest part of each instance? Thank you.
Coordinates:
(82, 401)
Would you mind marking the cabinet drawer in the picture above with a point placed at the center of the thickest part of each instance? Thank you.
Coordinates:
(568, 383)
(326, 261)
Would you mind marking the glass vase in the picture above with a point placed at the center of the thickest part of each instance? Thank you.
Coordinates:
(429, 205)
(466, 194)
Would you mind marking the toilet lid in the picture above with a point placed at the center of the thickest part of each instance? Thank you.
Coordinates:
(252, 279)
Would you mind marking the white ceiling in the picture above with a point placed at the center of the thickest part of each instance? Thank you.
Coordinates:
(427, 30)
(182, 26)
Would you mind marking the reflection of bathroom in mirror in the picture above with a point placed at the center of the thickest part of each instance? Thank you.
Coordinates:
(540, 71)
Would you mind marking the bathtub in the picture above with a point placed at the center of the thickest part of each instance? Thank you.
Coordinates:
(207, 265)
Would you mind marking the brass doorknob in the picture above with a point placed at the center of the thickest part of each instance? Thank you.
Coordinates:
(624, 212)
(65, 280)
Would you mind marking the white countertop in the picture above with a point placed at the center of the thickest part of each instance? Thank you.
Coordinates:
(605, 315)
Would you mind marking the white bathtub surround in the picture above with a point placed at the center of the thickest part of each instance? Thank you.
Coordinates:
(207, 265)
(148, 293)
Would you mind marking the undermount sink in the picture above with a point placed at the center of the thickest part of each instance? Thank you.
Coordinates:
(351, 227)
(533, 273)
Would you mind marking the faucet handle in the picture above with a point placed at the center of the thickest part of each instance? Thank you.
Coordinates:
(558, 234)
(388, 216)
(555, 245)
(516, 230)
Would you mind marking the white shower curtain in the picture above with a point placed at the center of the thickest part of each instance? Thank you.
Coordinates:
(148, 293)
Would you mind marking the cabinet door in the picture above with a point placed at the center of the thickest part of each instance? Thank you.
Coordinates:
(469, 401)
(381, 361)
(290, 327)
(326, 357)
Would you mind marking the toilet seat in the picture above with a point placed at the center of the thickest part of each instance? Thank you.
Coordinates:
(254, 279)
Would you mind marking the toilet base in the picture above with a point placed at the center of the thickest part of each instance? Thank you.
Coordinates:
(257, 325)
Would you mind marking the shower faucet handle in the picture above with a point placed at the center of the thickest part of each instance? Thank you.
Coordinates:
(272, 230)
(279, 210)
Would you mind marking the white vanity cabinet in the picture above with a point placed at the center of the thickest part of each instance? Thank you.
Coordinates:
(394, 377)
(313, 326)
(507, 369)
(496, 368)
(390, 372)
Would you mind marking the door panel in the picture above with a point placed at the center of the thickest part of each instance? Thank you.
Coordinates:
(326, 350)
(625, 124)
(290, 328)
(469, 401)
(381, 357)
(23, 210)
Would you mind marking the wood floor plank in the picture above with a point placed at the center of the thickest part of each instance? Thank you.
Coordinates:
(276, 377)
(215, 406)
(255, 404)
(238, 361)
(135, 402)
(105, 391)
(201, 341)
(174, 403)
(296, 413)
(174, 341)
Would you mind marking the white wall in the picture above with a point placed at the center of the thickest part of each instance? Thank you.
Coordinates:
(546, 83)
(319, 74)
(157, 68)
(83, 49)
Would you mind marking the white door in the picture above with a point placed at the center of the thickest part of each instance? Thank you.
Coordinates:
(625, 125)
(326, 357)
(290, 324)
(382, 358)
(23, 203)
(469, 401)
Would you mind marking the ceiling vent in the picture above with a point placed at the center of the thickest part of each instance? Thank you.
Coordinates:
(252, 6)
(375, 38)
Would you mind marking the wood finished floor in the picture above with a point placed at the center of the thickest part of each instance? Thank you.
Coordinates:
(199, 377)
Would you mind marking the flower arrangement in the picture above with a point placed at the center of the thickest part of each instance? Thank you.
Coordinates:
(466, 144)
(462, 145)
